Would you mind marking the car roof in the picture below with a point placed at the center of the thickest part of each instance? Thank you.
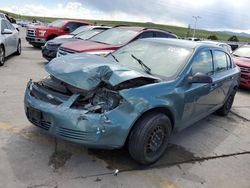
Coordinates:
(74, 20)
(181, 43)
(133, 28)
(140, 29)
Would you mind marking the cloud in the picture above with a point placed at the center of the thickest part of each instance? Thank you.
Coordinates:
(216, 14)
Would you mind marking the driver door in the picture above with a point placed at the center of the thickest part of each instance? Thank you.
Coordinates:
(199, 97)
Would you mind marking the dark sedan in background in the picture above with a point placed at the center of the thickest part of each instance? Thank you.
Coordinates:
(49, 50)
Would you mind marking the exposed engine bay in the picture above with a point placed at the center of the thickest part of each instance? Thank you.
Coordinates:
(99, 100)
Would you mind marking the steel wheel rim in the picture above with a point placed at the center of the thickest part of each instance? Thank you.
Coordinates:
(155, 141)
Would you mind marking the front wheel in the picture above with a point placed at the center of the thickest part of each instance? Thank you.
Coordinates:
(149, 138)
(2, 56)
(224, 110)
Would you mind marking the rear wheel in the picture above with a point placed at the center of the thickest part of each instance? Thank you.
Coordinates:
(2, 56)
(224, 110)
(149, 138)
(19, 48)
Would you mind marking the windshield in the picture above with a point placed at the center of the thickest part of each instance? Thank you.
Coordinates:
(162, 59)
(57, 23)
(243, 51)
(87, 34)
(81, 29)
(115, 36)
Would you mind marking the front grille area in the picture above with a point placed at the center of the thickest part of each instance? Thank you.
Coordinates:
(63, 51)
(31, 33)
(245, 69)
(52, 46)
(46, 95)
(245, 77)
(75, 134)
(37, 120)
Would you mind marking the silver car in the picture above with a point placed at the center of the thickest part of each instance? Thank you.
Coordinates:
(10, 41)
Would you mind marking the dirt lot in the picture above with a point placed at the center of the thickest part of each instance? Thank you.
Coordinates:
(215, 152)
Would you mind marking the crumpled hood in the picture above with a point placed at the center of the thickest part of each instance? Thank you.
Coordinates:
(87, 71)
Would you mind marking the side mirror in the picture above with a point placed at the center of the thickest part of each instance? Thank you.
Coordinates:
(200, 78)
(67, 29)
(7, 31)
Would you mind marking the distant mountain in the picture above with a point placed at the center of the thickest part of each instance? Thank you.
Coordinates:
(242, 34)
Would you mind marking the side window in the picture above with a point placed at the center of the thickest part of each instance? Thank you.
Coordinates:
(9, 25)
(163, 35)
(147, 34)
(72, 26)
(203, 63)
(229, 62)
(81, 24)
(3, 25)
(220, 61)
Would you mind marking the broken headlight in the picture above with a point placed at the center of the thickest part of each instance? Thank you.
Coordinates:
(107, 100)
(103, 100)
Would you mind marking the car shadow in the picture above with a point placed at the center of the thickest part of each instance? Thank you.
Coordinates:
(195, 142)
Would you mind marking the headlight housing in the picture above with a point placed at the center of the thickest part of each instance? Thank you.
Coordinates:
(100, 102)
(41, 32)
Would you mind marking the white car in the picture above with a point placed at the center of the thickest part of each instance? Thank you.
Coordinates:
(10, 41)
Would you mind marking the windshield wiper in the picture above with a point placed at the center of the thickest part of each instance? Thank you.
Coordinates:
(114, 57)
(143, 65)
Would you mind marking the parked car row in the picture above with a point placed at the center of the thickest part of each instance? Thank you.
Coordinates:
(129, 85)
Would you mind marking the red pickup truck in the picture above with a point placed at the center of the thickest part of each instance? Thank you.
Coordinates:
(39, 35)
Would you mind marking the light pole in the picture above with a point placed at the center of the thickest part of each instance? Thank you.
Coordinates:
(195, 22)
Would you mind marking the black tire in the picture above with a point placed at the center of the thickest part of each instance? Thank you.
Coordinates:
(149, 138)
(224, 110)
(2, 56)
(19, 48)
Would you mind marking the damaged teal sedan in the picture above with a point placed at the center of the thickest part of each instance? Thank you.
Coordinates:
(138, 95)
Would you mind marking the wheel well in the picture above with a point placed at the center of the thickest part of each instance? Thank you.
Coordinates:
(163, 110)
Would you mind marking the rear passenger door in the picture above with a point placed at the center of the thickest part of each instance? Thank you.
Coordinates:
(7, 38)
(13, 38)
(222, 75)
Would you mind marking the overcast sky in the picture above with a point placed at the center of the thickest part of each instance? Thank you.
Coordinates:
(215, 14)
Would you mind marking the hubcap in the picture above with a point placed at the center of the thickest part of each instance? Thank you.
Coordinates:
(155, 140)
